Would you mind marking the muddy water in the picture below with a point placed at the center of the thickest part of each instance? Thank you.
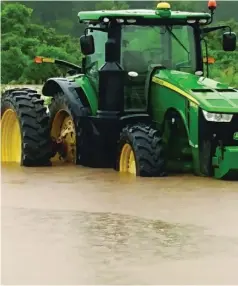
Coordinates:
(73, 225)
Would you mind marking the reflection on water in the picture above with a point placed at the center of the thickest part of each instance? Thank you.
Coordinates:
(73, 225)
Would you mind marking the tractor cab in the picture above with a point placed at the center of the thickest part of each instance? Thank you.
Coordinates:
(141, 41)
(146, 48)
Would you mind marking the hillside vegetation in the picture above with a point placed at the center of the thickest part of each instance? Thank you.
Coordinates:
(52, 29)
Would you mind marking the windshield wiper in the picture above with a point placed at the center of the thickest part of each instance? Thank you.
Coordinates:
(176, 38)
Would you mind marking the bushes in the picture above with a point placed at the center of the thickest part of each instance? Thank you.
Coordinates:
(22, 41)
(226, 67)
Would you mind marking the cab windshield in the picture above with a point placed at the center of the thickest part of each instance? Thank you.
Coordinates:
(171, 46)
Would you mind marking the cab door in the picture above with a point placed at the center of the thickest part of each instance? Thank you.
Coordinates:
(94, 62)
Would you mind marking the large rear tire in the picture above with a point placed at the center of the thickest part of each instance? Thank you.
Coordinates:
(141, 152)
(25, 137)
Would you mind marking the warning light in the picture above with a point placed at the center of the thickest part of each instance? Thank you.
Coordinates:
(209, 60)
(40, 60)
(212, 4)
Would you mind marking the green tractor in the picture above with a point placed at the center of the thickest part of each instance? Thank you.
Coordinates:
(140, 101)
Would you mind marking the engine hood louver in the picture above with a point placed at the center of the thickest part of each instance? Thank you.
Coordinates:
(206, 90)
(226, 90)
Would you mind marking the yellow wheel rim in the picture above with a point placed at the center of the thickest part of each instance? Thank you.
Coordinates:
(11, 141)
(127, 160)
(63, 126)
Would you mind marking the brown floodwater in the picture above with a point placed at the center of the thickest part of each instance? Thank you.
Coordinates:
(73, 225)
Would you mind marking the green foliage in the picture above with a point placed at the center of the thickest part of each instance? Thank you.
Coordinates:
(13, 64)
(37, 73)
(22, 40)
(47, 100)
(225, 68)
(111, 5)
(48, 28)
(15, 18)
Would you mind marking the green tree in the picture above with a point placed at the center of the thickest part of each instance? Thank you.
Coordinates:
(46, 28)
(13, 64)
(111, 5)
(22, 41)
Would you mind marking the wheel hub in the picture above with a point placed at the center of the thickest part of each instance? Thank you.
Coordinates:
(65, 143)
(127, 160)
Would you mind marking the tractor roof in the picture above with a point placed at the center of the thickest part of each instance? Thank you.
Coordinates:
(143, 14)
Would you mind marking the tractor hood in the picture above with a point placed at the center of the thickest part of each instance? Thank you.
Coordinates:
(210, 95)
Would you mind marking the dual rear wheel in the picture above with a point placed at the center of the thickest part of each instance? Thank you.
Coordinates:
(24, 128)
(31, 137)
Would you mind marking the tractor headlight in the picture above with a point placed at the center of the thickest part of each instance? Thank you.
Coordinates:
(217, 117)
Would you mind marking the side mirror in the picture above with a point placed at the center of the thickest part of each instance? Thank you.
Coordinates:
(229, 41)
(87, 45)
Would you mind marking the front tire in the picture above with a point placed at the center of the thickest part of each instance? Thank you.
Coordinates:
(24, 128)
(141, 152)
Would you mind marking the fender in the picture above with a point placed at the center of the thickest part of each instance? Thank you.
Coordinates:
(135, 118)
(90, 92)
(69, 87)
(178, 113)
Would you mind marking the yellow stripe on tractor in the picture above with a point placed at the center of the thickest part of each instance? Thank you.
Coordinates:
(174, 88)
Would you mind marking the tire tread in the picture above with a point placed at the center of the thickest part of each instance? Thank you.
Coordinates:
(148, 148)
(34, 124)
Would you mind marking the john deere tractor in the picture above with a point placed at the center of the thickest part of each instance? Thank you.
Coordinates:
(141, 101)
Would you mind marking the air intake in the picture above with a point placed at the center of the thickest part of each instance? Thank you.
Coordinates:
(226, 90)
(204, 90)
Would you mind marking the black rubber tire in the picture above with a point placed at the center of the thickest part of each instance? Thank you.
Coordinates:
(146, 143)
(77, 111)
(34, 125)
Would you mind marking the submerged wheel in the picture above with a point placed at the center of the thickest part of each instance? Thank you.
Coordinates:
(65, 127)
(24, 128)
(64, 135)
(141, 152)
(127, 160)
